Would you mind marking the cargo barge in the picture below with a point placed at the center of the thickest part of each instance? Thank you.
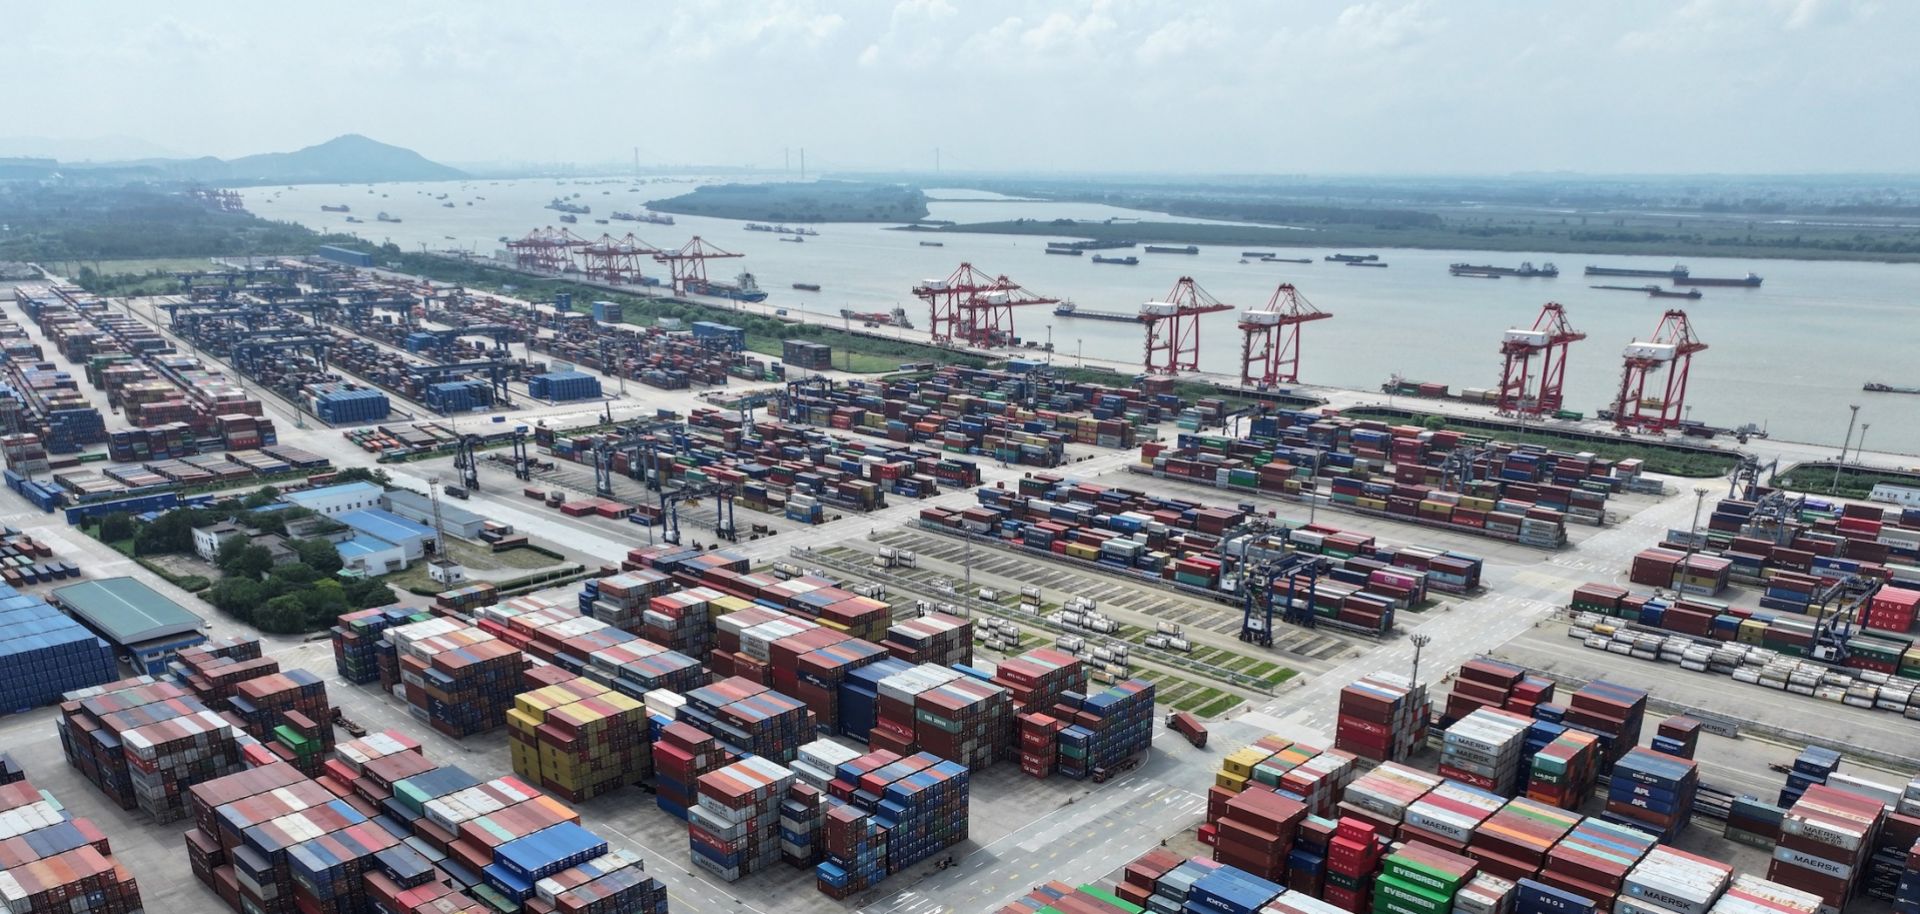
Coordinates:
(1676, 272)
(1127, 261)
(1169, 249)
(1365, 263)
(743, 288)
(933, 244)
(651, 218)
(1286, 260)
(1526, 270)
(1352, 258)
(329, 208)
(1069, 309)
(1750, 281)
(1654, 291)
(562, 206)
(1257, 255)
(1068, 252)
(807, 286)
(1876, 387)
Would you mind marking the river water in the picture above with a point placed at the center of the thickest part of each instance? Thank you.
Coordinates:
(1790, 355)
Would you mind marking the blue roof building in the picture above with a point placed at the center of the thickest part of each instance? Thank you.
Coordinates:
(412, 538)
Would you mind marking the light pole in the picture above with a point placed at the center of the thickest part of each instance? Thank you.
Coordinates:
(1693, 532)
(1049, 345)
(1861, 445)
(1077, 362)
(1419, 641)
(1844, 443)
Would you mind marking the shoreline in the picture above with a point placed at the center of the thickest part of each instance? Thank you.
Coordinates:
(1145, 232)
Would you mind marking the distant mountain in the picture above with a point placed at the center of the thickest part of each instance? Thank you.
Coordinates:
(349, 159)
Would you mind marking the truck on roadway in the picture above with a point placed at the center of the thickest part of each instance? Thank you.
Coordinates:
(1188, 726)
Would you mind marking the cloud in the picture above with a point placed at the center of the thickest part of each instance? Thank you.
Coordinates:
(1180, 38)
(1378, 26)
(1065, 33)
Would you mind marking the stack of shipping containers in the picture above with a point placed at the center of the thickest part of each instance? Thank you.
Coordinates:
(51, 861)
(735, 825)
(144, 743)
(459, 679)
(44, 653)
(887, 813)
(579, 739)
(1382, 717)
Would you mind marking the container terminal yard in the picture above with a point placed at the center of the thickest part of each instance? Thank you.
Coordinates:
(948, 639)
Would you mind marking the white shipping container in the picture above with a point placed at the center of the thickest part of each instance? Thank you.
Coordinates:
(1682, 884)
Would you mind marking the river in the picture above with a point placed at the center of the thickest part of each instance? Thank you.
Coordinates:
(1790, 355)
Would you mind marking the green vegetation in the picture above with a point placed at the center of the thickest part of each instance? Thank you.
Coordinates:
(1855, 482)
(812, 201)
(1671, 459)
(297, 595)
(1837, 218)
(74, 227)
(871, 354)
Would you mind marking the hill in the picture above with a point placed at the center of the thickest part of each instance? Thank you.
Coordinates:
(349, 159)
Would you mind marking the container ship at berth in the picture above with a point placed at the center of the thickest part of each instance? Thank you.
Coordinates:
(1169, 249)
(1654, 291)
(1878, 388)
(743, 288)
(1069, 309)
(1525, 269)
(1677, 272)
(1127, 261)
(1750, 281)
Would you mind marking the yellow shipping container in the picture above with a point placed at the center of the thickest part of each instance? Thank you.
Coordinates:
(1241, 761)
(1233, 782)
(1752, 631)
(1083, 551)
(1377, 504)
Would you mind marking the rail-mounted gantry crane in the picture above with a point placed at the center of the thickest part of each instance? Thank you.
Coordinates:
(1270, 338)
(1670, 351)
(1173, 327)
(974, 308)
(1547, 340)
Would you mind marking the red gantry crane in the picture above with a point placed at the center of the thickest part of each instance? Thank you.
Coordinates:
(1548, 339)
(1173, 327)
(688, 265)
(973, 308)
(1671, 349)
(547, 250)
(616, 260)
(1270, 338)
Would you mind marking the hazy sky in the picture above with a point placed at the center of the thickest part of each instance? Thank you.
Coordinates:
(1161, 85)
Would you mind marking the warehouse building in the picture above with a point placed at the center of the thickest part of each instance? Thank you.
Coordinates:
(370, 556)
(332, 501)
(418, 508)
(412, 538)
(137, 621)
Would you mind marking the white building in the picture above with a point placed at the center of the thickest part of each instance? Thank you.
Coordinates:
(207, 539)
(371, 555)
(332, 501)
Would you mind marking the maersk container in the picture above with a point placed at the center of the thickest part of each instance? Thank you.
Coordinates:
(724, 335)
(560, 386)
(609, 312)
